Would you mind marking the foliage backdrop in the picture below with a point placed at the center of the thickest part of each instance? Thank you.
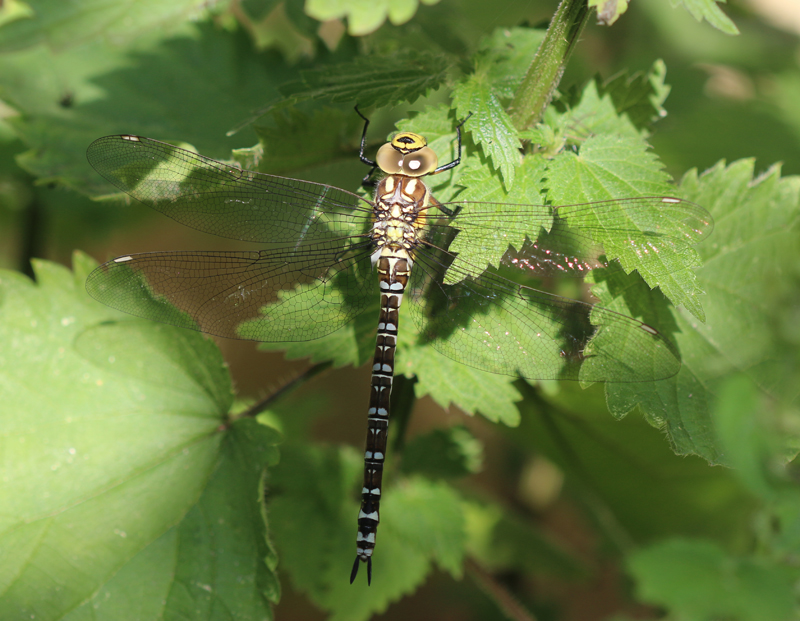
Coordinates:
(130, 489)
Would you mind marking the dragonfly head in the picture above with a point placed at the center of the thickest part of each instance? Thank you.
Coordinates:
(407, 154)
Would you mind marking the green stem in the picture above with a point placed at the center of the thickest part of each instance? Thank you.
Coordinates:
(266, 403)
(544, 74)
(497, 592)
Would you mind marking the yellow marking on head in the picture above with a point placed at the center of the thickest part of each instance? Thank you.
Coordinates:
(408, 142)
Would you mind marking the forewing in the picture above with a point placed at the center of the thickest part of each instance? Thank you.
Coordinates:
(225, 200)
(262, 296)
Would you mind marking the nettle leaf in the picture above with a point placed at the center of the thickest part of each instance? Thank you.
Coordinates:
(505, 56)
(489, 125)
(697, 579)
(748, 425)
(708, 10)
(353, 344)
(448, 381)
(755, 237)
(443, 453)
(293, 139)
(313, 511)
(364, 17)
(62, 25)
(616, 167)
(120, 471)
(121, 90)
(596, 113)
(485, 241)
(427, 515)
(372, 80)
(640, 96)
(217, 557)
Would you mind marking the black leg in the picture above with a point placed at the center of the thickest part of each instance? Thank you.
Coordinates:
(368, 182)
(361, 155)
(450, 213)
(456, 161)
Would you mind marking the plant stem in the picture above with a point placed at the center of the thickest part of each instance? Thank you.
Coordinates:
(497, 592)
(547, 67)
(255, 409)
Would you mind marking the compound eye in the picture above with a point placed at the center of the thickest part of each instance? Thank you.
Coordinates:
(389, 159)
(421, 162)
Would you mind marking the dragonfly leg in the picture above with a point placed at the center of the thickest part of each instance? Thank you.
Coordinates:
(368, 182)
(456, 161)
(450, 213)
(361, 155)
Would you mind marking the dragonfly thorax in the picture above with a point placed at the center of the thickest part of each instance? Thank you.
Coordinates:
(399, 215)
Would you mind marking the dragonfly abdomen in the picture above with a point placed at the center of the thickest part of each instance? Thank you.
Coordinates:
(399, 202)
(394, 268)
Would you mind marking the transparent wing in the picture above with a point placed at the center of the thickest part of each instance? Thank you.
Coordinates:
(225, 200)
(496, 325)
(647, 233)
(262, 296)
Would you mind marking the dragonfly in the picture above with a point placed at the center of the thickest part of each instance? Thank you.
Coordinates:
(327, 255)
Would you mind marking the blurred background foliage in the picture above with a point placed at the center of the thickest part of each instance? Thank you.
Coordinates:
(202, 73)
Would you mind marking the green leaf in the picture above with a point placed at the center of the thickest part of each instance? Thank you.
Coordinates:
(293, 139)
(624, 473)
(487, 242)
(614, 167)
(63, 25)
(217, 558)
(596, 113)
(708, 10)
(504, 57)
(758, 438)
(427, 517)
(313, 515)
(501, 541)
(489, 125)
(745, 442)
(448, 381)
(372, 80)
(115, 449)
(14, 10)
(696, 579)
(363, 16)
(132, 90)
(640, 96)
(442, 453)
(608, 11)
(354, 343)
(756, 234)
